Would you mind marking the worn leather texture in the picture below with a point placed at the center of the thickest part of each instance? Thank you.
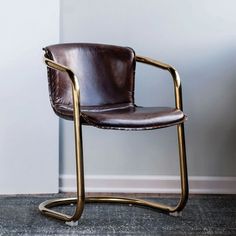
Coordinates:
(106, 79)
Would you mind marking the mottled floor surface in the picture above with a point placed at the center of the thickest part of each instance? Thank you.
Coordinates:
(203, 215)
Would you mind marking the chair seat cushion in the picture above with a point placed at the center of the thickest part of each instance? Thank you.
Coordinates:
(134, 117)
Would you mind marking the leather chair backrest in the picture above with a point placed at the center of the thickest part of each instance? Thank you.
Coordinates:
(106, 74)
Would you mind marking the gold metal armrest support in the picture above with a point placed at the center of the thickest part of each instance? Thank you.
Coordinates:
(80, 200)
(174, 74)
(180, 130)
(44, 207)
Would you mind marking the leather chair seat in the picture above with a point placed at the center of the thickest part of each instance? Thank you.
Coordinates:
(135, 117)
(128, 117)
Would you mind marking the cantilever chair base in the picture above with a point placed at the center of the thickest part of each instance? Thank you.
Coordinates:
(45, 207)
(80, 199)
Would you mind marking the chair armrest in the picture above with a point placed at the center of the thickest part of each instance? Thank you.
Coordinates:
(75, 84)
(174, 74)
(59, 67)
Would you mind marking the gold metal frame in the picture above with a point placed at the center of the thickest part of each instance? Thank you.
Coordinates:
(79, 201)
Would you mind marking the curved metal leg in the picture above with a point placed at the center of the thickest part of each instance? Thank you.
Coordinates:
(79, 201)
(183, 170)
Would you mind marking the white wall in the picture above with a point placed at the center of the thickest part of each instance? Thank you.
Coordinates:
(28, 127)
(199, 39)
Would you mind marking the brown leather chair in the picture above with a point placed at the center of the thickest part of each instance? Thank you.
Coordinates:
(93, 84)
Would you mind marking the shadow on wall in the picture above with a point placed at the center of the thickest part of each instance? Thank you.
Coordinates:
(209, 91)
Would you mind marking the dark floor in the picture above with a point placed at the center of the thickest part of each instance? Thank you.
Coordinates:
(203, 215)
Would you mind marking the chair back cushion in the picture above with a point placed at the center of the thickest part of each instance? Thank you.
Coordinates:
(105, 73)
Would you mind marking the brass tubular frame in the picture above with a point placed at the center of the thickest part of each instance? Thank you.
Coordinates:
(79, 201)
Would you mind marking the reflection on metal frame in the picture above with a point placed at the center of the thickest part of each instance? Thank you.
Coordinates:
(80, 200)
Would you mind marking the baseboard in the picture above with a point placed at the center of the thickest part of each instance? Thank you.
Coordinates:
(150, 184)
